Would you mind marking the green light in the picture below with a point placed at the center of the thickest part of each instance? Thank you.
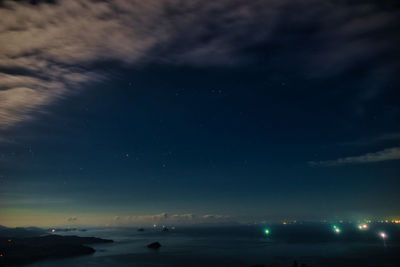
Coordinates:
(266, 231)
(336, 229)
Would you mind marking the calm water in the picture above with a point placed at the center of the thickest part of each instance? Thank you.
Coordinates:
(313, 244)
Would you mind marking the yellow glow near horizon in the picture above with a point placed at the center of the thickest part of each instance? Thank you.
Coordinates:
(17, 218)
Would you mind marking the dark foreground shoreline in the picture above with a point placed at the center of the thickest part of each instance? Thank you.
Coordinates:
(15, 251)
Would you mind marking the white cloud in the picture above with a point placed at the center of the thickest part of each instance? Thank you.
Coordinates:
(383, 155)
(48, 51)
(46, 48)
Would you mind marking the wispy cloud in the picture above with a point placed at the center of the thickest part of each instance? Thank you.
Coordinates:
(387, 137)
(50, 50)
(383, 155)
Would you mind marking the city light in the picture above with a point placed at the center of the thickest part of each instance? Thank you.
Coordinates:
(363, 226)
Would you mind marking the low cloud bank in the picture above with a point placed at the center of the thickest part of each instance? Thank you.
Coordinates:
(165, 218)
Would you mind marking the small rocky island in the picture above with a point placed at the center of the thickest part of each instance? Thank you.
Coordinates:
(154, 245)
(25, 250)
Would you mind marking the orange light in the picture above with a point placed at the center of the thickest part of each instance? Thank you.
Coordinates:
(284, 222)
(9, 240)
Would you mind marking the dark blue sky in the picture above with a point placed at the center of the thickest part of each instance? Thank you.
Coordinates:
(255, 114)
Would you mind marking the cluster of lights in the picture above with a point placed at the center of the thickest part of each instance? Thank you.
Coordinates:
(391, 221)
(381, 235)
(337, 230)
(363, 226)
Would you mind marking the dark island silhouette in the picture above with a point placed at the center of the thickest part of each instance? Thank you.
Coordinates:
(22, 246)
(154, 245)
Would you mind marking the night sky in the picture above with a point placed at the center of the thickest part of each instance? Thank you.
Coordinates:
(134, 112)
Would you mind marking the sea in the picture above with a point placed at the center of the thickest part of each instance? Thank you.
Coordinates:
(312, 244)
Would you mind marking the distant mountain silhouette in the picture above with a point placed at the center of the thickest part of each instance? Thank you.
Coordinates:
(21, 232)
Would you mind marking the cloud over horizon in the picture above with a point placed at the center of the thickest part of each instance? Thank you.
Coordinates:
(72, 219)
(51, 50)
(165, 218)
(379, 156)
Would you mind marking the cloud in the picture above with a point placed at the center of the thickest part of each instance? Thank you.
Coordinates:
(50, 51)
(165, 218)
(47, 49)
(72, 219)
(386, 137)
(383, 155)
